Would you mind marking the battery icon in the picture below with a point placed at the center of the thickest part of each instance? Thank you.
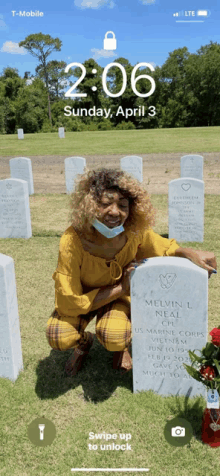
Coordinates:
(202, 13)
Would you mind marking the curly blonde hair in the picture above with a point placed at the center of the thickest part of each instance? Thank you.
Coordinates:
(89, 188)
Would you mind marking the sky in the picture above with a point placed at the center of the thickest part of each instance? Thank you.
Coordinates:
(145, 30)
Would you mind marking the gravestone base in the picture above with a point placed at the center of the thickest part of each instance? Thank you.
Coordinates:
(169, 310)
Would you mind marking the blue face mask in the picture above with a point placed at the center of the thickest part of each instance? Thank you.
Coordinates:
(106, 231)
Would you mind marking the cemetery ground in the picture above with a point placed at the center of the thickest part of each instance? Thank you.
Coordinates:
(98, 399)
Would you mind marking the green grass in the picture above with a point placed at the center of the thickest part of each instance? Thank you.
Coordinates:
(97, 399)
(184, 140)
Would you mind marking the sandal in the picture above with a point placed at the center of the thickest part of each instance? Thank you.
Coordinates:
(76, 361)
(122, 361)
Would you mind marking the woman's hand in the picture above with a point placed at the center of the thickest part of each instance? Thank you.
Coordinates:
(125, 281)
(204, 259)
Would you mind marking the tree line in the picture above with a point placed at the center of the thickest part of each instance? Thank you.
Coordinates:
(187, 92)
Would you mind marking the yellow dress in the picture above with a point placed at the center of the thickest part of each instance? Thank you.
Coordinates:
(78, 278)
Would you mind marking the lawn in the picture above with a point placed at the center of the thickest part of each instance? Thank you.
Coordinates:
(98, 399)
(184, 140)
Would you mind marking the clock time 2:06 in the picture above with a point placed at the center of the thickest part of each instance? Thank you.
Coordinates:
(72, 94)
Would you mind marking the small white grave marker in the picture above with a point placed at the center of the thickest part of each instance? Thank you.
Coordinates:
(133, 165)
(21, 168)
(61, 133)
(20, 134)
(10, 339)
(73, 167)
(169, 310)
(15, 218)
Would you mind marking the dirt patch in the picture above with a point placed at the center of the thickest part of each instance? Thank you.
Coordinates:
(158, 170)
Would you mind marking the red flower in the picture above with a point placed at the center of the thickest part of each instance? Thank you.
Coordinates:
(208, 372)
(215, 333)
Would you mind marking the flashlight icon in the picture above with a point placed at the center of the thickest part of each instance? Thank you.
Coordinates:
(41, 428)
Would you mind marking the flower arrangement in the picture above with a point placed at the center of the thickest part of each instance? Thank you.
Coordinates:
(206, 368)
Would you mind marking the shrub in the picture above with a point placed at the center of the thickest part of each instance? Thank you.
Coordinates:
(105, 125)
(125, 125)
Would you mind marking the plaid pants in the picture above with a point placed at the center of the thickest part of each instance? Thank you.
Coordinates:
(113, 327)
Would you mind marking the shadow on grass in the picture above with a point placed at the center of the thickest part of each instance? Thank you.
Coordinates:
(45, 233)
(97, 377)
(191, 411)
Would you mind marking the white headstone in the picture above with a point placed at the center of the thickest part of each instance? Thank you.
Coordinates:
(15, 218)
(192, 166)
(169, 310)
(133, 165)
(21, 168)
(61, 133)
(186, 209)
(20, 134)
(10, 339)
(73, 167)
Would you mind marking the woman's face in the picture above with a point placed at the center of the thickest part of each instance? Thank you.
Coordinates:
(113, 209)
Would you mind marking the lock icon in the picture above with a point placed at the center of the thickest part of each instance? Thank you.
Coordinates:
(110, 43)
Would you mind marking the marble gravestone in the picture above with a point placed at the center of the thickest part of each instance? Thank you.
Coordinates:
(21, 168)
(20, 134)
(61, 133)
(15, 218)
(10, 339)
(169, 311)
(133, 165)
(192, 166)
(73, 167)
(186, 209)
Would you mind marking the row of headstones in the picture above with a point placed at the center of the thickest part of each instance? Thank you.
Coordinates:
(191, 167)
(169, 318)
(20, 167)
(186, 199)
(186, 209)
(61, 133)
(186, 195)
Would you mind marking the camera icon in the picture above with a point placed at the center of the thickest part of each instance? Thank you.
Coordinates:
(178, 431)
